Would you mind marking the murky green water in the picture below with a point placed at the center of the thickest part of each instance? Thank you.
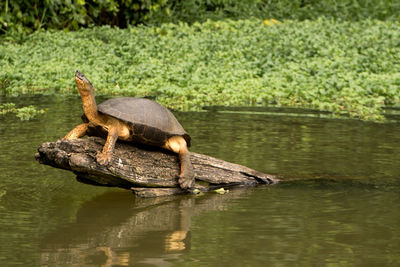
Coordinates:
(339, 206)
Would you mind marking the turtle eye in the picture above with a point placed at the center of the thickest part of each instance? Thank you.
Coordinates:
(79, 75)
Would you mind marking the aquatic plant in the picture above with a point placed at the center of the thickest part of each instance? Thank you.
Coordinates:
(349, 68)
(23, 113)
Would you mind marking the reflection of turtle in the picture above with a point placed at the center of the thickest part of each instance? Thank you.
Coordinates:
(133, 119)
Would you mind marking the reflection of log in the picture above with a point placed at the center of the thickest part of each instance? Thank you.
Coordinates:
(114, 230)
(147, 171)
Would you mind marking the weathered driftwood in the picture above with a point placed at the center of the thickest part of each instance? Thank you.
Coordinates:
(147, 171)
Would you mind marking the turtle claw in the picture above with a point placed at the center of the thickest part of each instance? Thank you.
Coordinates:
(186, 180)
(103, 158)
(186, 183)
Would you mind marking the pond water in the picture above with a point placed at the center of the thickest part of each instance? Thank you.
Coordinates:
(338, 204)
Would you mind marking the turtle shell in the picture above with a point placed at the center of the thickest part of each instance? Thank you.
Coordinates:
(152, 123)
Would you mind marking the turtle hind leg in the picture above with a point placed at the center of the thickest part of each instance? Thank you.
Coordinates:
(178, 145)
(77, 132)
(186, 178)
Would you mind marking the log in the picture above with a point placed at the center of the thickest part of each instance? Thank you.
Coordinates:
(147, 171)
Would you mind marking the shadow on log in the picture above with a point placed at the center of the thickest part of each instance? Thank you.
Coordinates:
(147, 171)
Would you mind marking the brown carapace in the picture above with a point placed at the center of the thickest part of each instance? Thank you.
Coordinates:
(132, 119)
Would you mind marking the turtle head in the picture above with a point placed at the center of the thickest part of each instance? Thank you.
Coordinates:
(83, 84)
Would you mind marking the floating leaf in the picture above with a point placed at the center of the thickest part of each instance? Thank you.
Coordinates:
(221, 191)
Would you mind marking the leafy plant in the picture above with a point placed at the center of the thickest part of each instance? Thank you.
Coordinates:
(24, 113)
(349, 68)
(18, 17)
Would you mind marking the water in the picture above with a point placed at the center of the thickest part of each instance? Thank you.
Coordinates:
(338, 204)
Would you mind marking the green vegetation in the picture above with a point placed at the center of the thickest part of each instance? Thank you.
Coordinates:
(351, 10)
(22, 16)
(350, 68)
(24, 113)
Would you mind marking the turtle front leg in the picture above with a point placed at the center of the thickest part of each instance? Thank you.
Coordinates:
(178, 145)
(104, 157)
(77, 132)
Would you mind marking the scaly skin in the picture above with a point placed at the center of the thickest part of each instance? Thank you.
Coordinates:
(105, 156)
(178, 145)
(77, 132)
(186, 178)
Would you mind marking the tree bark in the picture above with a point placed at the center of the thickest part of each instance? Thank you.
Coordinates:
(147, 171)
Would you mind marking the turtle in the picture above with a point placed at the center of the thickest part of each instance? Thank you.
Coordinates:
(132, 119)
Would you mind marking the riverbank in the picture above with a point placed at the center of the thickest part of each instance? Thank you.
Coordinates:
(349, 68)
